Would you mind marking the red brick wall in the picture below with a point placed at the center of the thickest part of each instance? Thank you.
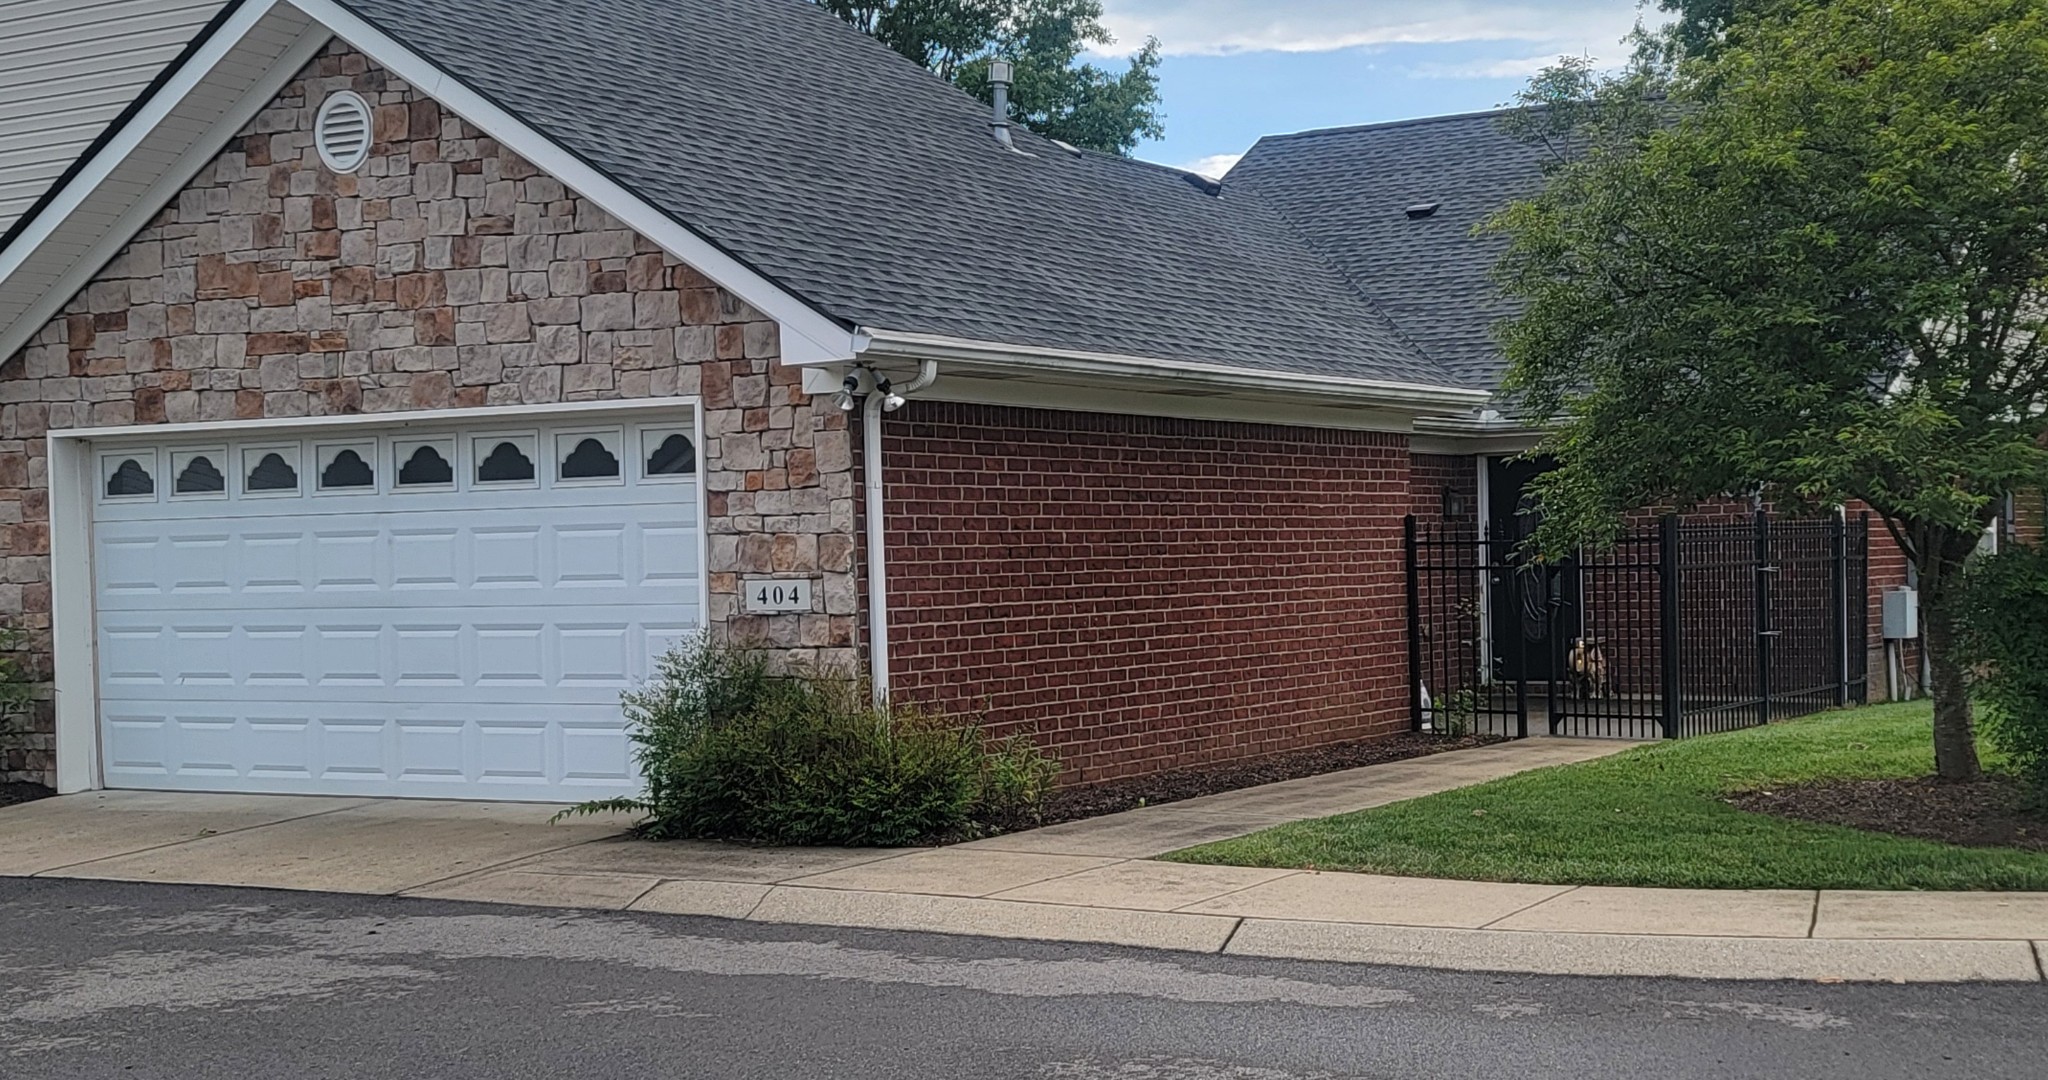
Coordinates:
(1144, 594)
(1447, 579)
(1888, 571)
(2030, 516)
(1436, 476)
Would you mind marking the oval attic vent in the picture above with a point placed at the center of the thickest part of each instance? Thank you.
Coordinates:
(342, 131)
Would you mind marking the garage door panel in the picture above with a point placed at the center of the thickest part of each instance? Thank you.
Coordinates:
(595, 754)
(513, 651)
(273, 562)
(274, 655)
(391, 748)
(512, 751)
(196, 565)
(279, 747)
(668, 555)
(426, 558)
(209, 746)
(677, 494)
(135, 743)
(455, 643)
(354, 567)
(346, 656)
(505, 557)
(127, 567)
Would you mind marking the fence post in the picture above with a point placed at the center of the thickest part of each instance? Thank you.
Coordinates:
(1671, 696)
(1838, 566)
(1860, 659)
(1408, 538)
(1764, 573)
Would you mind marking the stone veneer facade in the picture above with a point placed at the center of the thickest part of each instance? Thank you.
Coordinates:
(447, 272)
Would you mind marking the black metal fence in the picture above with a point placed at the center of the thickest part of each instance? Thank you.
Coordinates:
(1691, 627)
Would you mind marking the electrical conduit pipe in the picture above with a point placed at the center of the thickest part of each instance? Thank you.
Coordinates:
(871, 461)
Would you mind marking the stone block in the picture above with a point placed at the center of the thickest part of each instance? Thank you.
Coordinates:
(608, 312)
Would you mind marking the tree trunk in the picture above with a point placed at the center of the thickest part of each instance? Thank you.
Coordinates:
(1941, 580)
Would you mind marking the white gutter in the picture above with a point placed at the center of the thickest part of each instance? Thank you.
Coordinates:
(878, 579)
(890, 344)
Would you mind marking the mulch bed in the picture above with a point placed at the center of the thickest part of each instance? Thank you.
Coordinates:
(1116, 796)
(1986, 813)
(20, 793)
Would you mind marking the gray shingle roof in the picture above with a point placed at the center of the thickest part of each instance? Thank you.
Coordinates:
(1349, 189)
(873, 190)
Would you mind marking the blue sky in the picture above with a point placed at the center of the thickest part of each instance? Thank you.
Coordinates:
(1239, 69)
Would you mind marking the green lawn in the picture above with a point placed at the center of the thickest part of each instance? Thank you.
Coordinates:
(1652, 816)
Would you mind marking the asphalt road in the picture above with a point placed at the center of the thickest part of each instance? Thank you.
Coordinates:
(116, 980)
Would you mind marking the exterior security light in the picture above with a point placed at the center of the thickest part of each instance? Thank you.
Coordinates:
(846, 395)
(891, 400)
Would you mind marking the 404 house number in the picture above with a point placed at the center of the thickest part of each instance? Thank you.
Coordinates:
(767, 596)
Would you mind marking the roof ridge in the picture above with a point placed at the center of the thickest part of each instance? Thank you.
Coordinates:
(1383, 125)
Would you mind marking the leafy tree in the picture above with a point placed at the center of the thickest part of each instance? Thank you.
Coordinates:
(1822, 276)
(1055, 94)
(1702, 25)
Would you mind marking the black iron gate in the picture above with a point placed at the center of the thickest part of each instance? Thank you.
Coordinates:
(1690, 627)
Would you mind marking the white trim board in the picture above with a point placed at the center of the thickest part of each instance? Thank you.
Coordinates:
(996, 359)
(1129, 397)
(73, 479)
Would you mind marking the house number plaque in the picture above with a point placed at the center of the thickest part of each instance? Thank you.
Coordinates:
(768, 596)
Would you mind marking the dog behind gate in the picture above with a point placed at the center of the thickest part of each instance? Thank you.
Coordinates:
(1588, 666)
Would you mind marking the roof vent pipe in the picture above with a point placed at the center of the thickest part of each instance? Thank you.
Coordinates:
(1000, 75)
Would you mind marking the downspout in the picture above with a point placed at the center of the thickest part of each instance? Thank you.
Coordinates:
(883, 398)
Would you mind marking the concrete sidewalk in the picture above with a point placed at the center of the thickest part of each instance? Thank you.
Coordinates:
(1092, 881)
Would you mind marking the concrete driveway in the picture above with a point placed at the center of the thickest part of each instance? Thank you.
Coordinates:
(278, 841)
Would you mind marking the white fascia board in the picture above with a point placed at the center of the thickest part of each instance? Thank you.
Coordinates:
(138, 209)
(808, 335)
(1485, 434)
(1509, 444)
(1406, 397)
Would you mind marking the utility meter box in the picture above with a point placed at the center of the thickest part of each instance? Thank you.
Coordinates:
(1901, 614)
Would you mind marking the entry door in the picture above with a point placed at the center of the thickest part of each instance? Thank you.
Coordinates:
(438, 613)
(1535, 607)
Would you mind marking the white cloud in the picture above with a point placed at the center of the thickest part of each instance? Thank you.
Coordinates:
(1227, 26)
(1507, 68)
(1213, 166)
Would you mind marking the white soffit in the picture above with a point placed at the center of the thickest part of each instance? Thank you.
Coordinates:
(67, 69)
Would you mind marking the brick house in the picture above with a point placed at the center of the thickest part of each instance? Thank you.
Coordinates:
(391, 382)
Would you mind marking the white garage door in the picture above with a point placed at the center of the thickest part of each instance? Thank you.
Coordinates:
(444, 613)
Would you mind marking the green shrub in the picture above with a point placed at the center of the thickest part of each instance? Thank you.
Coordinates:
(731, 751)
(2005, 635)
(1016, 776)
